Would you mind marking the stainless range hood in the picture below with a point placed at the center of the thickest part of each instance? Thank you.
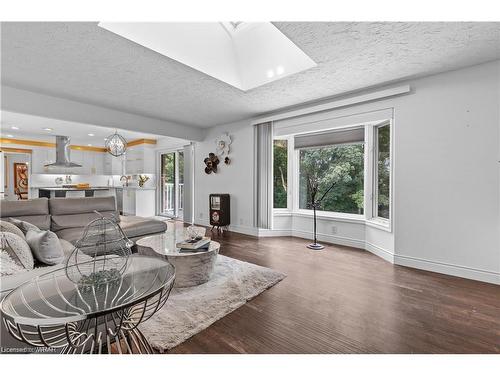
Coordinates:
(63, 153)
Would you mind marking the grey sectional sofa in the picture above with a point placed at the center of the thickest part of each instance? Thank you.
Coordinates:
(67, 217)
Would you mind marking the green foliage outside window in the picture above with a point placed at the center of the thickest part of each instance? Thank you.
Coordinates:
(383, 171)
(168, 167)
(280, 155)
(342, 165)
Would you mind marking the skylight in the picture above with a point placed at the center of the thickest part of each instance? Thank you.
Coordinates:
(243, 54)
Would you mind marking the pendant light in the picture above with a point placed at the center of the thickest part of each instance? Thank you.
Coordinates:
(116, 144)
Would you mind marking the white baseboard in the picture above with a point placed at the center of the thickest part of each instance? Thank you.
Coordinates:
(402, 260)
(330, 238)
(380, 252)
(275, 233)
(251, 231)
(448, 269)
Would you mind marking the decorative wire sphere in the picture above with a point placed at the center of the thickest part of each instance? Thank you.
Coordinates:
(116, 145)
(100, 256)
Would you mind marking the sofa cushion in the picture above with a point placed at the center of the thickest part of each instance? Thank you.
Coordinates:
(39, 206)
(135, 226)
(23, 226)
(71, 234)
(34, 211)
(79, 212)
(71, 206)
(60, 222)
(45, 246)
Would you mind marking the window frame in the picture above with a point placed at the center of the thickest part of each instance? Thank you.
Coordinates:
(290, 175)
(373, 219)
(370, 183)
(328, 214)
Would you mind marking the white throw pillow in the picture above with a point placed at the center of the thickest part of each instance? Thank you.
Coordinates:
(45, 246)
(5, 226)
(8, 266)
(17, 249)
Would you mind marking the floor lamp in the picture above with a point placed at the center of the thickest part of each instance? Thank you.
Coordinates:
(315, 204)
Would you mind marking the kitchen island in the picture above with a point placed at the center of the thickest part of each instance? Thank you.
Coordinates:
(73, 192)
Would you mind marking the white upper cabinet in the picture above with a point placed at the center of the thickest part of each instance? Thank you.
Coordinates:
(140, 159)
(112, 165)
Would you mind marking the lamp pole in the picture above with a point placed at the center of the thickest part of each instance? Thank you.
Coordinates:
(315, 204)
(315, 245)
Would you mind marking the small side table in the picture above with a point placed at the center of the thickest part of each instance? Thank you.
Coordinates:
(53, 311)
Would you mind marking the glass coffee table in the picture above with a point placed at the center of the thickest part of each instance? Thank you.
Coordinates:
(191, 268)
(77, 317)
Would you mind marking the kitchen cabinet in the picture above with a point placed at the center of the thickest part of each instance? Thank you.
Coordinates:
(139, 202)
(140, 159)
(112, 165)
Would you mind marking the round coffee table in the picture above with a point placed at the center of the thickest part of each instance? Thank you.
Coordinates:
(191, 268)
(53, 311)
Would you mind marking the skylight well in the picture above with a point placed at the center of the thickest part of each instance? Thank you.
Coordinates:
(245, 55)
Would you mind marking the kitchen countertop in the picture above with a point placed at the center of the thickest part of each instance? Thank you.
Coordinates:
(60, 188)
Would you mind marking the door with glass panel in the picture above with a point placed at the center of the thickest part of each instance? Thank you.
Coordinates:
(172, 183)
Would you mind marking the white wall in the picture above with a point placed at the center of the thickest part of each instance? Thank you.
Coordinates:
(446, 177)
(235, 179)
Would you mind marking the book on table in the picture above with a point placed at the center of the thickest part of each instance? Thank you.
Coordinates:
(196, 244)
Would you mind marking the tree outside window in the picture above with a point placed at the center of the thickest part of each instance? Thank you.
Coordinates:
(383, 171)
(280, 178)
(341, 165)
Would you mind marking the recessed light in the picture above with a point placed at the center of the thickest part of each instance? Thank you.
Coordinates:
(48, 129)
(10, 135)
(280, 70)
(270, 74)
(14, 128)
(91, 134)
(89, 144)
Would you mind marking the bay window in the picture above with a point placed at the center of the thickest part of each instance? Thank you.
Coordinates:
(280, 175)
(382, 172)
(348, 167)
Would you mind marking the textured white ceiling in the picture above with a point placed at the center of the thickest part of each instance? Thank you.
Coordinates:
(83, 62)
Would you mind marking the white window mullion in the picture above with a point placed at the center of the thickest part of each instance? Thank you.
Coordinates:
(368, 184)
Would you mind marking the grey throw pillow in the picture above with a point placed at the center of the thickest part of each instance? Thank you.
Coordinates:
(17, 249)
(45, 246)
(5, 226)
(24, 226)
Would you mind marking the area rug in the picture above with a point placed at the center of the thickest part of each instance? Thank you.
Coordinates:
(191, 310)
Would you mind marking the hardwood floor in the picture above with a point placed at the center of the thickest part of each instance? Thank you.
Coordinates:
(344, 300)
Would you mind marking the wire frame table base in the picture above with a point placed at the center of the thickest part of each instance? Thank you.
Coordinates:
(93, 320)
(111, 332)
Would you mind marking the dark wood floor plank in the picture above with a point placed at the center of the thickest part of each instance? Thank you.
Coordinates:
(346, 300)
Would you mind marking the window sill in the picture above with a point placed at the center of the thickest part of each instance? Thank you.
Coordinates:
(333, 216)
(377, 223)
(282, 212)
(381, 224)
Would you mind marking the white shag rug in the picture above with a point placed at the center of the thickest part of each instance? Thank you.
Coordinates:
(191, 310)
